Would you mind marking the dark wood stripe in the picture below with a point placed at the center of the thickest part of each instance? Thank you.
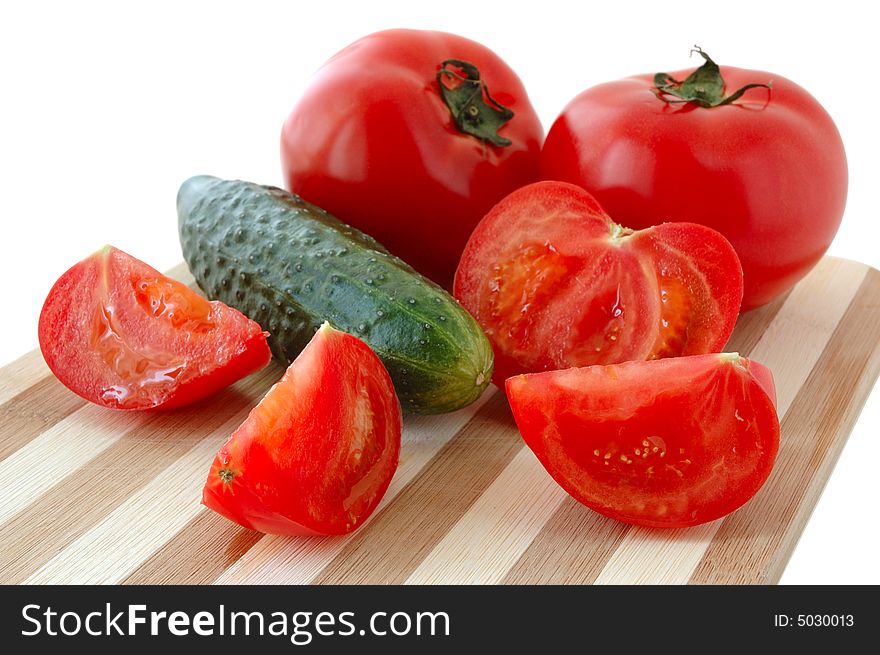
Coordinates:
(78, 502)
(572, 548)
(754, 543)
(426, 508)
(198, 554)
(33, 411)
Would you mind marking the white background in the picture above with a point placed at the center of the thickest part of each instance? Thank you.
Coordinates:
(106, 107)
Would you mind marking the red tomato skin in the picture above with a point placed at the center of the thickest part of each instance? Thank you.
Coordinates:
(317, 454)
(597, 430)
(568, 221)
(768, 171)
(372, 142)
(217, 346)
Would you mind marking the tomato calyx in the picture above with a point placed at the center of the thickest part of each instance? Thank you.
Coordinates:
(619, 232)
(704, 87)
(473, 110)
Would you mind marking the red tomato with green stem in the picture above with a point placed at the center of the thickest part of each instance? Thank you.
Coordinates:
(411, 136)
(318, 452)
(120, 334)
(555, 282)
(666, 443)
(747, 153)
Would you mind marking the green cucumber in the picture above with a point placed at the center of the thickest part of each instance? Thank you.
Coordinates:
(290, 265)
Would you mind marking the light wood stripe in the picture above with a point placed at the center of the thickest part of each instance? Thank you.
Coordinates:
(503, 522)
(18, 375)
(576, 544)
(652, 556)
(750, 327)
(29, 413)
(42, 529)
(280, 560)
(206, 546)
(422, 514)
(791, 360)
(814, 433)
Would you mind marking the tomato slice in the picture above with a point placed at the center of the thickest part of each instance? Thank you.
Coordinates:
(555, 283)
(664, 443)
(122, 335)
(316, 455)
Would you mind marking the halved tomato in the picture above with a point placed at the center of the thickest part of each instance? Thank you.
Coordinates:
(555, 283)
(317, 454)
(122, 335)
(665, 443)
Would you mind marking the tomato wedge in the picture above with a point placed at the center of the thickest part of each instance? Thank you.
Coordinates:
(318, 452)
(555, 283)
(665, 443)
(122, 335)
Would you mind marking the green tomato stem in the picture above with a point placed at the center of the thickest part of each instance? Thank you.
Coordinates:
(473, 110)
(704, 87)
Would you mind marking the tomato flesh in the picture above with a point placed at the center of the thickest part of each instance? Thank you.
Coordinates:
(676, 314)
(555, 283)
(318, 452)
(665, 443)
(120, 334)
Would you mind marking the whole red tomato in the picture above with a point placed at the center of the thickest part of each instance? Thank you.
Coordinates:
(764, 164)
(411, 136)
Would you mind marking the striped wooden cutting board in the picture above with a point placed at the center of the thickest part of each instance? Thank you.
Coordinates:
(91, 495)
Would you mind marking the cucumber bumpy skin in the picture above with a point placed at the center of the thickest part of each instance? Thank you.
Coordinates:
(290, 265)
